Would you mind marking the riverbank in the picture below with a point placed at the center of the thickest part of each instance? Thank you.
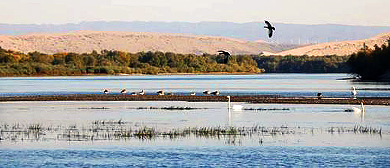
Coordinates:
(249, 99)
(134, 74)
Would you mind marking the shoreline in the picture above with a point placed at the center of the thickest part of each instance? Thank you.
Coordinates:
(249, 99)
(137, 74)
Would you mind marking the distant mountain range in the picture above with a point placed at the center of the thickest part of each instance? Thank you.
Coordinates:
(252, 31)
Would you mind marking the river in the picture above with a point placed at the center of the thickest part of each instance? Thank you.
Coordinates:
(289, 85)
(192, 134)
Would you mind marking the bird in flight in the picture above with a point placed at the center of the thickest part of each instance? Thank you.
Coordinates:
(225, 54)
(270, 28)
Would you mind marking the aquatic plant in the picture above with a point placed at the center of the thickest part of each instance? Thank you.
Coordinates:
(356, 129)
(366, 129)
(266, 109)
(167, 108)
(107, 122)
(95, 108)
(35, 128)
(145, 133)
(119, 129)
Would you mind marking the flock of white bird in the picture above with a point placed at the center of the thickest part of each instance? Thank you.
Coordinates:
(161, 92)
(124, 91)
(358, 111)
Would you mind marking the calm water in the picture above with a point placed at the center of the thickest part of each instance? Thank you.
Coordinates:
(309, 135)
(331, 85)
(199, 157)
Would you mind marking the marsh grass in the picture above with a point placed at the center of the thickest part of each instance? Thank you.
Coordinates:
(367, 130)
(357, 129)
(167, 108)
(267, 109)
(119, 130)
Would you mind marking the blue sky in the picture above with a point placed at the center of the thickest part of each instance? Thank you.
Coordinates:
(348, 12)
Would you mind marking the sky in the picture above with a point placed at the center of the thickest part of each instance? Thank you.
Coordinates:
(346, 12)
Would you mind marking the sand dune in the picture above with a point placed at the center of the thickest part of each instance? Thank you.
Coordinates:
(87, 41)
(338, 48)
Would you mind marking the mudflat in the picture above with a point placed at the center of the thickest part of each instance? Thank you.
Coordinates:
(249, 99)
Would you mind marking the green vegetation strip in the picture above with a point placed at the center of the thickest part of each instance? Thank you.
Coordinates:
(13, 63)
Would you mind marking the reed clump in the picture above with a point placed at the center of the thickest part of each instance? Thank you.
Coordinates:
(35, 128)
(366, 130)
(357, 129)
(145, 133)
(167, 108)
(267, 109)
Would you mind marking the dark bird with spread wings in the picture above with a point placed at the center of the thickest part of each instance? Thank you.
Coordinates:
(226, 56)
(270, 28)
(224, 52)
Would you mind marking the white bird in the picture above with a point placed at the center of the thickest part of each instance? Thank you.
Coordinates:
(235, 107)
(193, 94)
(355, 110)
(319, 95)
(160, 92)
(105, 91)
(123, 91)
(353, 92)
(216, 93)
(142, 92)
(359, 111)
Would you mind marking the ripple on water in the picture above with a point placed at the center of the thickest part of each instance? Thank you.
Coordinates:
(216, 156)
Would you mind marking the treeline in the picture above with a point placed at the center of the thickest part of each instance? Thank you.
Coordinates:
(303, 64)
(371, 64)
(116, 62)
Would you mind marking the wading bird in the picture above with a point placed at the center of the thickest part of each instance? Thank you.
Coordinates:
(206, 92)
(353, 92)
(216, 93)
(138, 93)
(160, 92)
(319, 95)
(270, 28)
(105, 91)
(356, 110)
(234, 107)
(123, 91)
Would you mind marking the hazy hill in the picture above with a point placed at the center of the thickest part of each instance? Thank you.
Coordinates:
(252, 31)
(87, 41)
(338, 48)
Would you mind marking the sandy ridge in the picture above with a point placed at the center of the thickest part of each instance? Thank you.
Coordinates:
(338, 48)
(87, 41)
